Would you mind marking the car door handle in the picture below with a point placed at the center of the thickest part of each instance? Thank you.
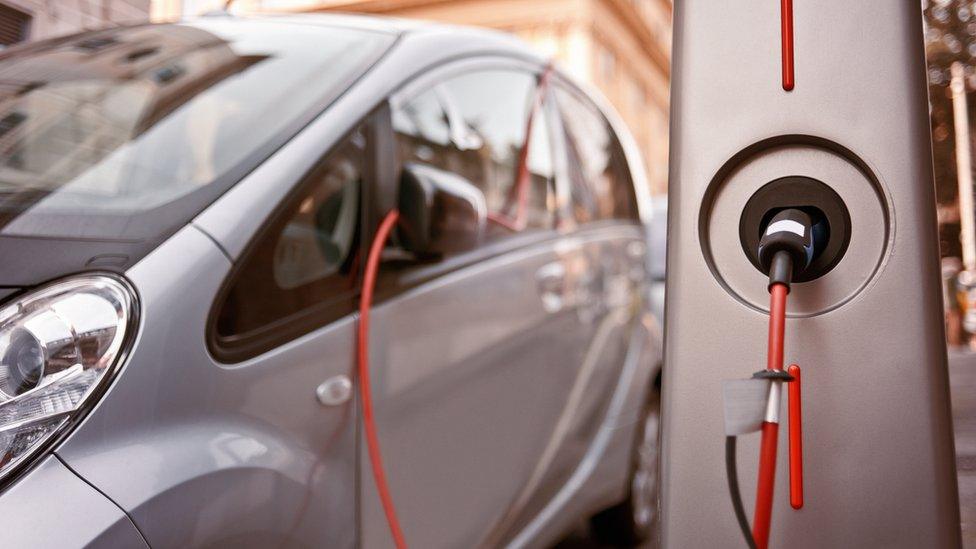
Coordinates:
(551, 283)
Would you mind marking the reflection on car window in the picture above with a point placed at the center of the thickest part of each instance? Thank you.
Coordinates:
(318, 239)
(483, 116)
(306, 259)
(424, 119)
(600, 181)
(127, 120)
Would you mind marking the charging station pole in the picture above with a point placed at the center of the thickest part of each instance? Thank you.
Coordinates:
(842, 134)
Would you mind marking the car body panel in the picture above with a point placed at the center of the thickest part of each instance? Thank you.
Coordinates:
(485, 388)
(598, 481)
(53, 507)
(242, 455)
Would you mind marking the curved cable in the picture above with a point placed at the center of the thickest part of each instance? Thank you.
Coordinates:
(732, 473)
(365, 394)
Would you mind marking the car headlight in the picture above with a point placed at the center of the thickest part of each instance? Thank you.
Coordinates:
(58, 346)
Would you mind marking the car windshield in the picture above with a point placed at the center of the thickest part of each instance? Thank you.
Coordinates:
(99, 128)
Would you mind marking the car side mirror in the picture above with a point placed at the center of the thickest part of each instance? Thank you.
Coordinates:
(440, 211)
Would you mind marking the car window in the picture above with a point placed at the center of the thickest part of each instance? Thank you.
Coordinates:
(154, 119)
(425, 123)
(600, 182)
(474, 125)
(305, 260)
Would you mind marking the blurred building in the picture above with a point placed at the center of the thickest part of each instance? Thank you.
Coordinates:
(623, 47)
(22, 20)
(168, 10)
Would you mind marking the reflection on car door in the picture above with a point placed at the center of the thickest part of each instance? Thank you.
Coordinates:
(602, 269)
(473, 355)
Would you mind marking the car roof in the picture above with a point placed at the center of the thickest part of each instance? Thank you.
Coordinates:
(340, 19)
(383, 23)
(464, 39)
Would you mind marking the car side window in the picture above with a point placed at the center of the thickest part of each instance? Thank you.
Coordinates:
(474, 125)
(304, 261)
(423, 126)
(600, 182)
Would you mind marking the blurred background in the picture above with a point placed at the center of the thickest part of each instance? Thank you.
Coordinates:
(950, 43)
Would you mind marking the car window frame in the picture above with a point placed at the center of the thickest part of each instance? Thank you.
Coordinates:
(241, 347)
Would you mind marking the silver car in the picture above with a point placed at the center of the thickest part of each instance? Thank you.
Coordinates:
(185, 211)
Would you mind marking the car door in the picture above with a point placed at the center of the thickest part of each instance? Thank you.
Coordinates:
(604, 279)
(473, 353)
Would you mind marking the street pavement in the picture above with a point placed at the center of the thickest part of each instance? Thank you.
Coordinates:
(962, 381)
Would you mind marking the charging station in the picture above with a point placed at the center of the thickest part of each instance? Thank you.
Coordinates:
(818, 108)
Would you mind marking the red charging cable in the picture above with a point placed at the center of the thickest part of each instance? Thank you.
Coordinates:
(786, 248)
(366, 301)
(770, 427)
(365, 394)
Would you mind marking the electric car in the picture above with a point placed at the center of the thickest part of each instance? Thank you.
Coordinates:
(185, 213)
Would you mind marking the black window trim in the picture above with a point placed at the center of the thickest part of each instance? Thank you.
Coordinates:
(241, 347)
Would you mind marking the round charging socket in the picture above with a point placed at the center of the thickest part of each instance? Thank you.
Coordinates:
(831, 220)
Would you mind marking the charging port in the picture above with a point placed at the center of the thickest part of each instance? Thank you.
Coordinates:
(831, 222)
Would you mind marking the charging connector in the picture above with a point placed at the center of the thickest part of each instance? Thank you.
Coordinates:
(787, 246)
(827, 213)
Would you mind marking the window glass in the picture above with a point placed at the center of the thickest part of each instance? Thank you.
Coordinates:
(599, 177)
(485, 115)
(306, 258)
(425, 123)
(415, 144)
(99, 127)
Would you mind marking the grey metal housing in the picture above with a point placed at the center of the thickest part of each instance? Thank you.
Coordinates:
(878, 449)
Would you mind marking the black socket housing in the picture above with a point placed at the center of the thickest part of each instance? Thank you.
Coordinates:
(828, 213)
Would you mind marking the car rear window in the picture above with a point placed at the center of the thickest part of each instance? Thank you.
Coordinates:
(99, 128)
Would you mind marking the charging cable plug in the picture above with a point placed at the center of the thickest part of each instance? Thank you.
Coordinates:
(786, 247)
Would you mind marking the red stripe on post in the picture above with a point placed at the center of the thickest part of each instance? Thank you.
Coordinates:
(796, 439)
(786, 24)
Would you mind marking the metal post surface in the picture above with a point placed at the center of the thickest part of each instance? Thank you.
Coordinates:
(878, 450)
